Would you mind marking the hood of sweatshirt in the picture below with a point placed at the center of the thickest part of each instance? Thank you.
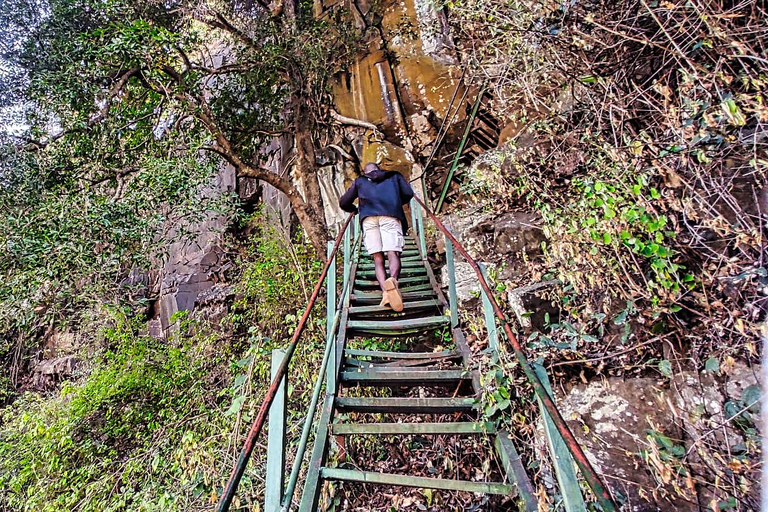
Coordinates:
(377, 175)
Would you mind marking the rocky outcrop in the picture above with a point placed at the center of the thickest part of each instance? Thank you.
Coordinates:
(631, 432)
(195, 258)
(497, 238)
(503, 243)
(50, 372)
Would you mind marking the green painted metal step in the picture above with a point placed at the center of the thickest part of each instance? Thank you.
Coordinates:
(402, 281)
(350, 475)
(352, 363)
(405, 272)
(407, 306)
(396, 326)
(403, 264)
(403, 377)
(403, 290)
(375, 297)
(406, 405)
(458, 428)
(404, 256)
(379, 354)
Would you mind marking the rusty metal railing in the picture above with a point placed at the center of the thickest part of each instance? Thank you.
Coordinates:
(258, 423)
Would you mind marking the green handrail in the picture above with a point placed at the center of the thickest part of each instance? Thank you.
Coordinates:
(329, 345)
(463, 142)
(599, 489)
(258, 423)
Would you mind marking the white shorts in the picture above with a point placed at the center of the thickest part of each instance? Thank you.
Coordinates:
(383, 234)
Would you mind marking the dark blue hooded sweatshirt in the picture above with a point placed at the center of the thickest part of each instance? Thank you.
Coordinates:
(379, 193)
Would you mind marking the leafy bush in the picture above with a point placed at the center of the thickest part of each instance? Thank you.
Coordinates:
(279, 272)
(146, 430)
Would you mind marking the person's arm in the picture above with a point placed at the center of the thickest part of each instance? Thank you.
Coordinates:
(347, 201)
(406, 192)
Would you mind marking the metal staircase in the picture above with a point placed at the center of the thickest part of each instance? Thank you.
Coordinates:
(425, 310)
(348, 389)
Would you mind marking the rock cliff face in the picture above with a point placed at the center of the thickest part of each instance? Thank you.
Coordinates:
(195, 265)
(399, 91)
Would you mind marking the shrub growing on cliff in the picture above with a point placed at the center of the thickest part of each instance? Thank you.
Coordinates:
(641, 141)
(141, 432)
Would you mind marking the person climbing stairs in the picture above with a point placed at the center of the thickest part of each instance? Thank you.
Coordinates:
(381, 196)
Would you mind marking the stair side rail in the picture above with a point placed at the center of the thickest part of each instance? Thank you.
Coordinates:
(329, 362)
(591, 476)
(258, 423)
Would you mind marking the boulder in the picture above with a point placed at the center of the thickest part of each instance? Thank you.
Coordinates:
(612, 418)
(50, 372)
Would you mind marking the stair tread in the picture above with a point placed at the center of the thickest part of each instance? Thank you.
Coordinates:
(402, 376)
(375, 298)
(402, 281)
(404, 272)
(407, 405)
(427, 322)
(400, 355)
(372, 477)
(430, 428)
(404, 256)
(404, 291)
(407, 306)
(409, 263)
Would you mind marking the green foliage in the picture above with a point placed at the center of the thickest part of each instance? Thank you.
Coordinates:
(143, 431)
(608, 226)
(279, 272)
(63, 246)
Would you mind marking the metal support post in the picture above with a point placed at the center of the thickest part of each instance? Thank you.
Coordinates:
(276, 441)
(331, 314)
(490, 318)
(561, 457)
(347, 256)
(452, 298)
(420, 229)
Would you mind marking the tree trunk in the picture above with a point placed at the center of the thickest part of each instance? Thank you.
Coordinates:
(306, 170)
(313, 224)
(309, 213)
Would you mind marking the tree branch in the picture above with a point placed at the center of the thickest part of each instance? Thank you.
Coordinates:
(124, 76)
(353, 122)
(221, 22)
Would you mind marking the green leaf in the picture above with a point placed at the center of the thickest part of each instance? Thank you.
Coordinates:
(240, 380)
(727, 504)
(665, 367)
(712, 365)
(607, 238)
(237, 404)
(751, 397)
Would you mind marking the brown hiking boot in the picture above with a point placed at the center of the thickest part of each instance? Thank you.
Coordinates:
(392, 294)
